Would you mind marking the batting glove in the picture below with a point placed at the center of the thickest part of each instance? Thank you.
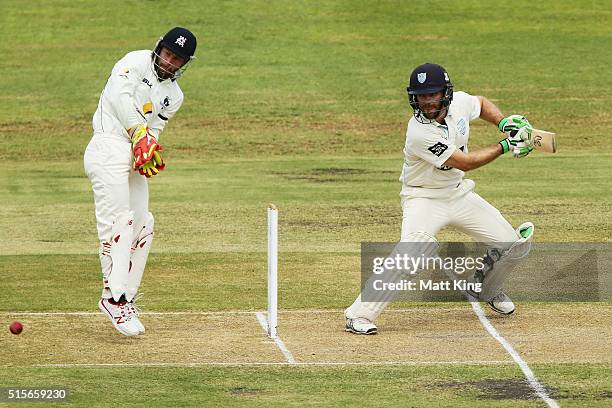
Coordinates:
(521, 151)
(519, 142)
(513, 123)
(144, 145)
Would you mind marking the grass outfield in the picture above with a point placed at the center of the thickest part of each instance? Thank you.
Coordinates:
(324, 386)
(301, 104)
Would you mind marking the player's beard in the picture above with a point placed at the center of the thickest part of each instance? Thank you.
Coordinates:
(162, 73)
(437, 115)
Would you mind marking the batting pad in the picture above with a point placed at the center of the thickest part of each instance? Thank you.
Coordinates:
(506, 261)
(416, 245)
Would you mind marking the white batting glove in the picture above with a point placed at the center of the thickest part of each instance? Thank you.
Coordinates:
(522, 149)
(513, 123)
(519, 142)
(521, 135)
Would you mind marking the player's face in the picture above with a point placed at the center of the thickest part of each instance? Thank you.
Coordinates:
(169, 63)
(430, 104)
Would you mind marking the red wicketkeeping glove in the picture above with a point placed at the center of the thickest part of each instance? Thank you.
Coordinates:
(153, 166)
(144, 145)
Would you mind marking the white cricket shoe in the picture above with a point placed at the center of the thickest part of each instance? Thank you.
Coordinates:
(360, 325)
(136, 313)
(121, 315)
(501, 304)
(135, 317)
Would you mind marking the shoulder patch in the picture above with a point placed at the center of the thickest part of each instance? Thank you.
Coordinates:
(438, 149)
(147, 107)
(461, 126)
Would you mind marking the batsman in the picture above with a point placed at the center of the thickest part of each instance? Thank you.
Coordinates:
(141, 95)
(435, 193)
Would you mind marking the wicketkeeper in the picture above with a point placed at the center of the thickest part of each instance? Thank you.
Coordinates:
(140, 96)
(435, 194)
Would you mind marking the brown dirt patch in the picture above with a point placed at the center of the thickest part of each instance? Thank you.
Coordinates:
(501, 389)
(334, 174)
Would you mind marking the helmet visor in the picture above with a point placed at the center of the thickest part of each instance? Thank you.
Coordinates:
(168, 65)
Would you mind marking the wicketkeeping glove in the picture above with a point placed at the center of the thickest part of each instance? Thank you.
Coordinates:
(144, 144)
(153, 166)
(513, 123)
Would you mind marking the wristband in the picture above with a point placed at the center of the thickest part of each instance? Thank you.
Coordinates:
(505, 146)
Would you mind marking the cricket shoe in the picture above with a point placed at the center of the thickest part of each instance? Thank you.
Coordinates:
(502, 304)
(121, 315)
(472, 283)
(360, 325)
(136, 313)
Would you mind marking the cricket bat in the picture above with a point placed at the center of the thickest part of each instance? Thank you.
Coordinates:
(544, 141)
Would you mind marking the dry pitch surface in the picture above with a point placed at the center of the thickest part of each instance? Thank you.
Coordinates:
(416, 336)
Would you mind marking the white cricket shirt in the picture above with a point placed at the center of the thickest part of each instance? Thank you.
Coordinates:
(428, 146)
(133, 95)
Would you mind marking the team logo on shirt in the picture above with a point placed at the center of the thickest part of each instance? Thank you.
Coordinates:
(444, 167)
(461, 126)
(421, 77)
(438, 149)
(165, 103)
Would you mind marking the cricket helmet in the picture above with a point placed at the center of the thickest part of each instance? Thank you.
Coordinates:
(429, 78)
(181, 42)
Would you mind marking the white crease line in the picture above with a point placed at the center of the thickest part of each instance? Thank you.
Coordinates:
(279, 343)
(185, 313)
(221, 312)
(269, 363)
(531, 378)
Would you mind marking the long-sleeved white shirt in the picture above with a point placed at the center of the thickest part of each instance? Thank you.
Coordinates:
(133, 95)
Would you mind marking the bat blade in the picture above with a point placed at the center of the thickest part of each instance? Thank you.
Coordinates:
(544, 141)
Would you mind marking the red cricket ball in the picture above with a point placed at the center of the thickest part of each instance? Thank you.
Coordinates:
(16, 327)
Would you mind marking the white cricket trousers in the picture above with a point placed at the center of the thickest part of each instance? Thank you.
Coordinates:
(461, 208)
(117, 188)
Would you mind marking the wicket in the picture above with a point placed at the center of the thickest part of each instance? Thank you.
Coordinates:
(272, 270)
